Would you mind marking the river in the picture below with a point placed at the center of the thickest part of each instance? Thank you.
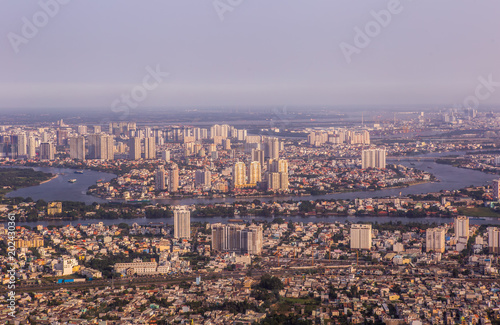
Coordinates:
(330, 219)
(450, 178)
(60, 189)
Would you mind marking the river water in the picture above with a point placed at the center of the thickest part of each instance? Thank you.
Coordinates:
(329, 219)
(450, 178)
(60, 189)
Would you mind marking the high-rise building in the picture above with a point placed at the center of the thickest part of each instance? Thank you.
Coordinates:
(31, 147)
(239, 175)
(258, 155)
(434, 240)
(277, 176)
(462, 227)
(21, 145)
(47, 151)
(77, 147)
(203, 178)
(241, 135)
(165, 155)
(278, 166)
(173, 179)
(284, 181)
(82, 129)
(182, 222)
(273, 148)
(106, 148)
(101, 146)
(160, 179)
(361, 236)
(273, 181)
(134, 145)
(255, 173)
(61, 136)
(149, 148)
(97, 129)
(494, 240)
(252, 240)
(226, 144)
(496, 189)
(373, 158)
(237, 238)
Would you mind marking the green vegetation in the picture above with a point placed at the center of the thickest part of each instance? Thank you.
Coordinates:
(14, 178)
(276, 319)
(482, 212)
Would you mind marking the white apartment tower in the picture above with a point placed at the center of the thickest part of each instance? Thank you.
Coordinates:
(373, 158)
(462, 227)
(494, 240)
(434, 240)
(361, 236)
(77, 148)
(182, 222)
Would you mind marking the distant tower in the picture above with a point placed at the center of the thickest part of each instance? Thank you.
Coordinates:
(203, 178)
(77, 148)
(496, 189)
(361, 236)
(434, 240)
(373, 158)
(160, 179)
(165, 155)
(134, 148)
(21, 145)
(182, 222)
(462, 227)
(149, 148)
(31, 147)
(47, 151)
(273, 148)
(255, 173)
(173, 179)
(239, 175)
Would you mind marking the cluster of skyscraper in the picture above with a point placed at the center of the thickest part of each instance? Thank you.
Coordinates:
(373, 158)
(275, 177)
(167, 181)
(237, 238)
(338, 136)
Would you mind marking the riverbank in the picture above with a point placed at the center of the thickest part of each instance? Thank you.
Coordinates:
(51, 179)
(12, 179)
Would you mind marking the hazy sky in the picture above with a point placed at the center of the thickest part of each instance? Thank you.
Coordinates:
(247, 52)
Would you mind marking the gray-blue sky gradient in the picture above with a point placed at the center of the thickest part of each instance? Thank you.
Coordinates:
(282, 52)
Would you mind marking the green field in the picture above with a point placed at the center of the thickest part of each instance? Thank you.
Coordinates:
(482, 212)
